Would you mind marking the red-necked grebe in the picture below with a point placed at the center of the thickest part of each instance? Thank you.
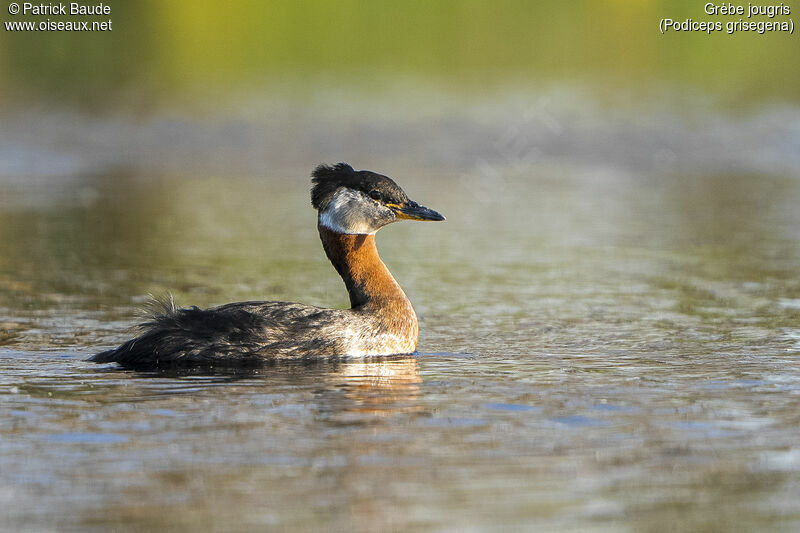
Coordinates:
(352, 205)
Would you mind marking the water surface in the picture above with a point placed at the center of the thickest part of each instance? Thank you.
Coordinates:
(610, 325)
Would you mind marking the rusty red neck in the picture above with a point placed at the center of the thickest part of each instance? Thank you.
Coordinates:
(356, 259)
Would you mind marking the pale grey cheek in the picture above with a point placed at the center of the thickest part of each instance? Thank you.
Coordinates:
(384, 216)
(352, 212)
(356, 216)
(370, 216)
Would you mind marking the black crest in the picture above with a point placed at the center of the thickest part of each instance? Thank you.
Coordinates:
(328, 178)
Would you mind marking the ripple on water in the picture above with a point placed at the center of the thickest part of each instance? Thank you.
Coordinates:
(603, 350)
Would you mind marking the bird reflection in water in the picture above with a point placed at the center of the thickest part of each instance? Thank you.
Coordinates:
(340, 387)
(380, 386)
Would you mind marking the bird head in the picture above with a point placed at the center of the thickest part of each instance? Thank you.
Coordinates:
(361, 202)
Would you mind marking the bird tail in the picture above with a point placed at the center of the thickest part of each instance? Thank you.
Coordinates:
(154, 311)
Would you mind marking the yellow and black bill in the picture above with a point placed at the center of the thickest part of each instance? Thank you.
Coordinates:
(413, 211)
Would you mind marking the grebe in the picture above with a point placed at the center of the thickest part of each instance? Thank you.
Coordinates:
(352, 205)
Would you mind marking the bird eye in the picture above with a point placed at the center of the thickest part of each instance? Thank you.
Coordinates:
(376, 195)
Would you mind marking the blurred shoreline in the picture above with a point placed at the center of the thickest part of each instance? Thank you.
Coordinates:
(269, 137)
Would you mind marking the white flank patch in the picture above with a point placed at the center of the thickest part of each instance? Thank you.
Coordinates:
(358, 342)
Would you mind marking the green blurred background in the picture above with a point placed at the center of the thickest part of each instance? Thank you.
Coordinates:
(163, 52)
